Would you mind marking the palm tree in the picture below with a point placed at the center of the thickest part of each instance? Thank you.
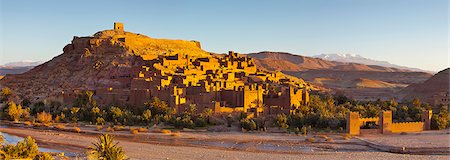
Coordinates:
(106, 149)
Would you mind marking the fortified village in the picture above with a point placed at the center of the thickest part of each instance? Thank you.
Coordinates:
(222, 83)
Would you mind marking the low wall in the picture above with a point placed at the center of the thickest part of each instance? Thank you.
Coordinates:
(407, 127)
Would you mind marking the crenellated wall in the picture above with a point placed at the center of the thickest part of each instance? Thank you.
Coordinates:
(385, 123)
(407, 127)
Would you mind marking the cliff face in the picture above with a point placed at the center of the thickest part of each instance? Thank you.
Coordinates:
(89, 62)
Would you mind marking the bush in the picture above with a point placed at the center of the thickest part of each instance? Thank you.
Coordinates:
(44, 156)
(76, 129)
(175, 134)
(119, 128)
(166, 131)
(100, 121)
(28, 123)
(25, 149)
(440, 121)
(347, 137)
(142, 129)
(109, 129)
(134, 131)
(282, 121)
(44, 117)
(105, 148)
(14, 111)
(304, 130)
(248, 124)
(60, 126)
(310, 139)
(328, 139)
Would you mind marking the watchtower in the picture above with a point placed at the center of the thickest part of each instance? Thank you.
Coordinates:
(118, 26)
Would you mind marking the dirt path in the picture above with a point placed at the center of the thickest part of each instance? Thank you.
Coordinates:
(76, 142)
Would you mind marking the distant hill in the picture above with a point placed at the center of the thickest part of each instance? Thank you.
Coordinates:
(355, 80)
(354, 58)
(437, 85)
(291, 62)
(17, 67)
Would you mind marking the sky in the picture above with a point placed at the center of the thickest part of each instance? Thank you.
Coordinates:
(411, 33)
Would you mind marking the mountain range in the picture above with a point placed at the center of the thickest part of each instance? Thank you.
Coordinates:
(354, 80)
(354, 58)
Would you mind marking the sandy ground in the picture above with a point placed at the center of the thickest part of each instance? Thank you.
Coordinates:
(429, 139)
(138, 147)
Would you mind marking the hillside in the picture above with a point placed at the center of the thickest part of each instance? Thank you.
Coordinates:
(353, 58)
(359, 81)
(433, 90)
(123, 67)
(290, 62)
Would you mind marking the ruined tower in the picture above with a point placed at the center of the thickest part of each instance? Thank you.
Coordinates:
(118, 26)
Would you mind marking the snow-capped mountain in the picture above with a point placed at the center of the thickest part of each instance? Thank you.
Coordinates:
(354, 58)
(25, 63)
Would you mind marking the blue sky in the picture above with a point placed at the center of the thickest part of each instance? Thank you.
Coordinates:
(412, 33)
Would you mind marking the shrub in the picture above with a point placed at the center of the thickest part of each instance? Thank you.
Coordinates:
(248, 124)
(44, 117)
(119, 128)
(282, 121)
(105, 148)
(98, 128)
(25, 149)
(100, 121)
(184, 122)
(310, 139)
(347, 137)
(60, 126)
(109, 129)
(44, 156)
(134, 131)
(142, 129)
(175, 134)
(296, 130)
(166, 131)
(328, 139)
(14, 111)
(76, 129)
(28, 123)
(304, 130)
(440, 121)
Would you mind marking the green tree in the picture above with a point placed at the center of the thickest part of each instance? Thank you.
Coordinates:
(6, 92)
(282, 121)
(74, 113)
(25, 149)
(106, 149)
(15, 111)
(147, 116)
(440, 121)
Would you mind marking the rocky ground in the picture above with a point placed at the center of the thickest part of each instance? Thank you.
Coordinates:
(230, 145)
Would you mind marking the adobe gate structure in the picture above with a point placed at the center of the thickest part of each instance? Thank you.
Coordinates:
(385, 123)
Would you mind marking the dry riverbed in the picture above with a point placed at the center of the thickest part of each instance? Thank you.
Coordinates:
(216, 145)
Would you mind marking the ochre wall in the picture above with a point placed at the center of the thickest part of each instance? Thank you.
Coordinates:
(407, 127)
